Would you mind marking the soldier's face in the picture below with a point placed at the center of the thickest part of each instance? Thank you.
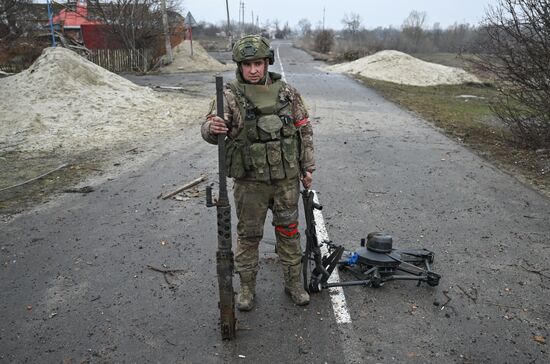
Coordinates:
(253, 71)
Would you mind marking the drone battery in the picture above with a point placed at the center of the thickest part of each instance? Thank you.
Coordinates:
(379, 242)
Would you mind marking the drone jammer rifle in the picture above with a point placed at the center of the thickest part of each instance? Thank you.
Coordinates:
(224, 255)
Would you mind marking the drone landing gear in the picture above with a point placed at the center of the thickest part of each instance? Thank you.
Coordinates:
(374, 264)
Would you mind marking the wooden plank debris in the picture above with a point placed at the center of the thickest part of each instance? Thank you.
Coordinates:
(184, 187)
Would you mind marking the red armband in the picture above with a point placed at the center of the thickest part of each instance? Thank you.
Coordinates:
(301, 122)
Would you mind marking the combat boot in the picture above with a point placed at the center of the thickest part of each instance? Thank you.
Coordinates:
(293, 285)
(245, 298)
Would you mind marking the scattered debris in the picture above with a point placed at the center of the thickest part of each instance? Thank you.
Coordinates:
(540, 339)
(85, 189)
(64, 165)
(169, 342)
(473, 296)
(167, 273)
(241, 327)
(535, 271)
(171, 88)
(470, 97)
(446, 294)
(177, 89)
(184, 187)
(193, 193)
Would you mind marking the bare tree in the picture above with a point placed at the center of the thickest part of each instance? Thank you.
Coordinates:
(305, 27)
(516, 52)
(413, 27)
(15, 17)
(137, 23)
(352, 22)
(277, 27)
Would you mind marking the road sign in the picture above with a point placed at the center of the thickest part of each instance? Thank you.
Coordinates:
(189, 20)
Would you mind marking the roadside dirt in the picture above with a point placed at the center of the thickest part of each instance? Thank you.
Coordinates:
(66, 110)
(198, 61)
(401, 68)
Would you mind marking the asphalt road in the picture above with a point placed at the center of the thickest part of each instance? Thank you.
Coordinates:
(75, 285)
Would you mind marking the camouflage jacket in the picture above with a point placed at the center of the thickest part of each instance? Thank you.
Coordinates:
(235, 122)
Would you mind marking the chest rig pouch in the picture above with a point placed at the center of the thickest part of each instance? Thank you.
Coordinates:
(267, 146)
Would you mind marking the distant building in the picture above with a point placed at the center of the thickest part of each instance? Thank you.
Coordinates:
(71, 19)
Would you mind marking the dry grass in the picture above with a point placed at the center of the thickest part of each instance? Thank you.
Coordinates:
(472, 122)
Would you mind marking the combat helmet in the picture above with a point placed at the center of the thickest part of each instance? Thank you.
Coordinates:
(252, 47)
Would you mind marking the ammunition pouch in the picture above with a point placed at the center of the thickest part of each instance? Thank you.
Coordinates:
(259, 161)
(269, 127)
(234, 159)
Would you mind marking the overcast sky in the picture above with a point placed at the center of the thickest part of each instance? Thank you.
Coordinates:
(373, 13)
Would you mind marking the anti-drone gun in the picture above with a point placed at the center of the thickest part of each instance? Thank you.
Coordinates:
(224, 255)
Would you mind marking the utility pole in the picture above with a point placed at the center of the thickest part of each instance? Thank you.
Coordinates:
(50, 17)
(168, 44)
(229, 24)
(324, 18)
(240, 4)
(242, 16)
(253, 30)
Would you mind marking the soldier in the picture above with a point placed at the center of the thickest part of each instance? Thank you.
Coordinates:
(269, 148)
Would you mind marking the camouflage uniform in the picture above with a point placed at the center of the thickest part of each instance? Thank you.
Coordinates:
(254, 197)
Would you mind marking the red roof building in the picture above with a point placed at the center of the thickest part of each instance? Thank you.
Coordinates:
(72, 19)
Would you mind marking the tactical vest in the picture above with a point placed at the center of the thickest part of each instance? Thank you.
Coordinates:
(267, 147)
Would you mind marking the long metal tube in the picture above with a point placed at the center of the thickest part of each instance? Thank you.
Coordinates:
(224, 255)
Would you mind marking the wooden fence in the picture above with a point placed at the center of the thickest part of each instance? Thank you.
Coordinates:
(12, 68)
(122, 60)
(115, 60)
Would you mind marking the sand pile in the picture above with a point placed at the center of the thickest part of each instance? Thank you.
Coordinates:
(65, 103)
(398, 67)
(200, 62)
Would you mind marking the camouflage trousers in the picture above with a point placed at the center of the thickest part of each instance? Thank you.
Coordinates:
(252, 200)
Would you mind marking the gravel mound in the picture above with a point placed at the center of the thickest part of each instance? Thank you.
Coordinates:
(64, 103)
(201, 61)
(398, 67)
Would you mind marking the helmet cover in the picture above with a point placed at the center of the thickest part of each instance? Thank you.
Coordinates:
(251, 47)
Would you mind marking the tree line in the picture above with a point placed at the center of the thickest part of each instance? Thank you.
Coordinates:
(511, 46)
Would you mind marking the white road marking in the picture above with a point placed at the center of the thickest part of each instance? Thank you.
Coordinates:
(351, 346)
(337, 296)
(280, 63)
